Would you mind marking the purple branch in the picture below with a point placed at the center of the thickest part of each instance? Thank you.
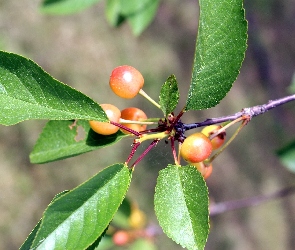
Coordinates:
(222, 207)
(251, 112)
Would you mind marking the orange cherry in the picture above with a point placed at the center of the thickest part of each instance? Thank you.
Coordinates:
(218, 140)
(196, 148)
(208, 172)
(133, 114)
(205, 170)
(105, 128)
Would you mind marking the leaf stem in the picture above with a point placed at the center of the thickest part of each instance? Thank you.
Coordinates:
(153, 144)
(125, 128)
(134, 148)
(176, 159)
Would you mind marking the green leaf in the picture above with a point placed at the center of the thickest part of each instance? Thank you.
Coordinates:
(29, 241)
(113, 12)
(287, 156)
(28, 92)
(60, 7)
(291, 88)
(106, 243)
(169, 95)
(63, 139)
(97, 242)
(181, 206)
(220, 51)
(139, 13)
(76, 219)
(121, 218)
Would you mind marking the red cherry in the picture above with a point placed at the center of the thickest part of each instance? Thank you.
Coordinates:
(126, 81)
(121, 238)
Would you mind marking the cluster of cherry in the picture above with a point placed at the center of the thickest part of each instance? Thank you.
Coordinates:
(127, 82)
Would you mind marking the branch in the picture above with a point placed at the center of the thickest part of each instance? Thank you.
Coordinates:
(222, 207)
(250, 112)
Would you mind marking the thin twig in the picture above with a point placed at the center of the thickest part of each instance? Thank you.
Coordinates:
(222, 207)
(251, 112)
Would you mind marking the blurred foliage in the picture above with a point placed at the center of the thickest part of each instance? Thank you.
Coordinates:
(139, 14)
(287, 156)
(81, 50)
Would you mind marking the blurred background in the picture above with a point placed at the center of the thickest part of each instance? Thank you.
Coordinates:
(82, 49)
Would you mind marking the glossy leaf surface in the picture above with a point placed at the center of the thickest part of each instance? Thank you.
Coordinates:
(220, 51)
(76, 219)
(28, 92)
(63, 139)
(181, 206)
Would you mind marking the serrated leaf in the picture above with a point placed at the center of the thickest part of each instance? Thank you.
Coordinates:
(28, 92)
(220, 51)
(60, 7)
(29, 241)
(98, 240)
(139, 13)
(169, 95)
(106, 243)
(113, 12)
(287, 156)
(121, 218)
(76, 219)
(181, 206)
(64, 139)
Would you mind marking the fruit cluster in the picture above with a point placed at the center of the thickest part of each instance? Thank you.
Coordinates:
(127, 82)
